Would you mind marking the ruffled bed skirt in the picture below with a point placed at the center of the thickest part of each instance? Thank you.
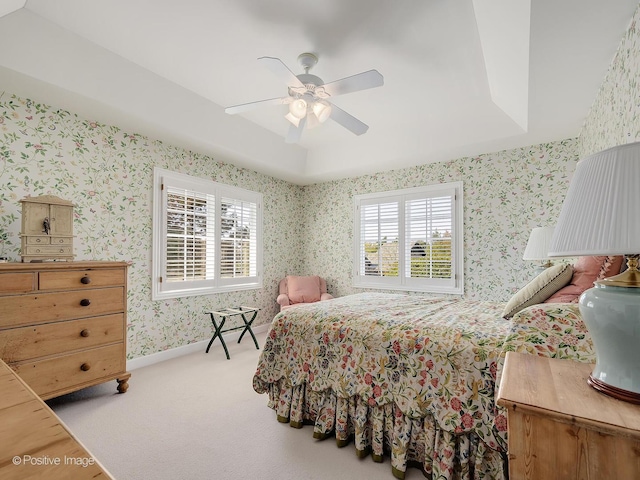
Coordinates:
(385, 429)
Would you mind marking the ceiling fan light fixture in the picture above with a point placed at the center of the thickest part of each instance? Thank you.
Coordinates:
(312, 121)
(293, 119)
(307, 96)
(322, 110)
(298, 108)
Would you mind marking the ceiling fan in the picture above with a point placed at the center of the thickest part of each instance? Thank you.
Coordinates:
(308, 96)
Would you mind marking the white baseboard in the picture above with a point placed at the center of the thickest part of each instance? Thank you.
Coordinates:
(201, 346)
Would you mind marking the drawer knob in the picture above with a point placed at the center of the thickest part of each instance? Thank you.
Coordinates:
(38, 240)
(85, 280)
(84, 333)
(85, 302)
(85, 367)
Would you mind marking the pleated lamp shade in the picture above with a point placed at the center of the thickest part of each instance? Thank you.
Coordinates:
(538, 245)
(601, 212)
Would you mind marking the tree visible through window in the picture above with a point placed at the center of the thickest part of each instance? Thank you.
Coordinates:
(432, 259)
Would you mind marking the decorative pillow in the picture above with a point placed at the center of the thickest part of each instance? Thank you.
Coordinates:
(539, 289)
(586, 270)
(303, 289)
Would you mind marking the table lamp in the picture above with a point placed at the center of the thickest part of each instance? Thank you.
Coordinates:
(537, 248)
(600, 217)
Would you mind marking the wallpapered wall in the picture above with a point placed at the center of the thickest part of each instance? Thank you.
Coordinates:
(506, 194)
(108, 174)
(614, 118)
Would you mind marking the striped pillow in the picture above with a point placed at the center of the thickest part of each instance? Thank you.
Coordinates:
(539, 289)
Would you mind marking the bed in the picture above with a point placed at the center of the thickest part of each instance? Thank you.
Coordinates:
(409, 377)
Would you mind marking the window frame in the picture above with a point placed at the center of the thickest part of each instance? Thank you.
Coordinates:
(176, 289)
(455, 285)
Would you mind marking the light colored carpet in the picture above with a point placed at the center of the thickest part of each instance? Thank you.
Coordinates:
(197, 417)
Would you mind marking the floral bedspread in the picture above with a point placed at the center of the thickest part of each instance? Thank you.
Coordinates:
(408, 375)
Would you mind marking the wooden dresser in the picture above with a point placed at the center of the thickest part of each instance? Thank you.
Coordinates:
(63, 324)
(560, 427)
(34, 443)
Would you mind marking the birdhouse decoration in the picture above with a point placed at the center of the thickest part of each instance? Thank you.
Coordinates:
(47, 229)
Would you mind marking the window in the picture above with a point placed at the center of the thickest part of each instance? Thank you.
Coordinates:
(207, 237)
(410, 239)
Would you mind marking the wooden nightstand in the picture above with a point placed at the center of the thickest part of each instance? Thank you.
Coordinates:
(560, 427)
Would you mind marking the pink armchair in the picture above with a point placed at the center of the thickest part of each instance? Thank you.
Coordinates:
(300, 290)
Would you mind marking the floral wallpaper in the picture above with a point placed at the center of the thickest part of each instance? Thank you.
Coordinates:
(506, 195)
(614, 118)
(108, 173)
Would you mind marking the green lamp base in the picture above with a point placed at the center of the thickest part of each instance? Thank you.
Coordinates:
(612, 316)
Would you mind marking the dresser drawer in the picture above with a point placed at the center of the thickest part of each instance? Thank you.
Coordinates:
(24, 343)
(17, 282)
(61, 373)
(38, 240)
(60, 240)
(32, 309)
(78, 279)
(46, 250)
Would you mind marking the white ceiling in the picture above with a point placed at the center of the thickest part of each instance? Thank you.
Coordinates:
(461, 77)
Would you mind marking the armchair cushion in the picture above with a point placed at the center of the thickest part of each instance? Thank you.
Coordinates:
(303, 289)
(299, 290)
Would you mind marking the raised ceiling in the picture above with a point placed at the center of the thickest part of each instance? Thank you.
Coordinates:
(461, 77)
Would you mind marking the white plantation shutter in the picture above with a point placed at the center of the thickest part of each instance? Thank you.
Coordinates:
(429, 226)
(238, 242)
(190, 235)
(379, 239)
(410, 239)
(207, 237)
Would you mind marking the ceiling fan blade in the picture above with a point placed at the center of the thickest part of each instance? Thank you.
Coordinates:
(295, 133)
(281, 70)
(348, 121)
(245, 107)
(354, 83)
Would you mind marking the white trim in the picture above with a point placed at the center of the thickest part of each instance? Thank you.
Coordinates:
(401, 193)
(201, 346)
